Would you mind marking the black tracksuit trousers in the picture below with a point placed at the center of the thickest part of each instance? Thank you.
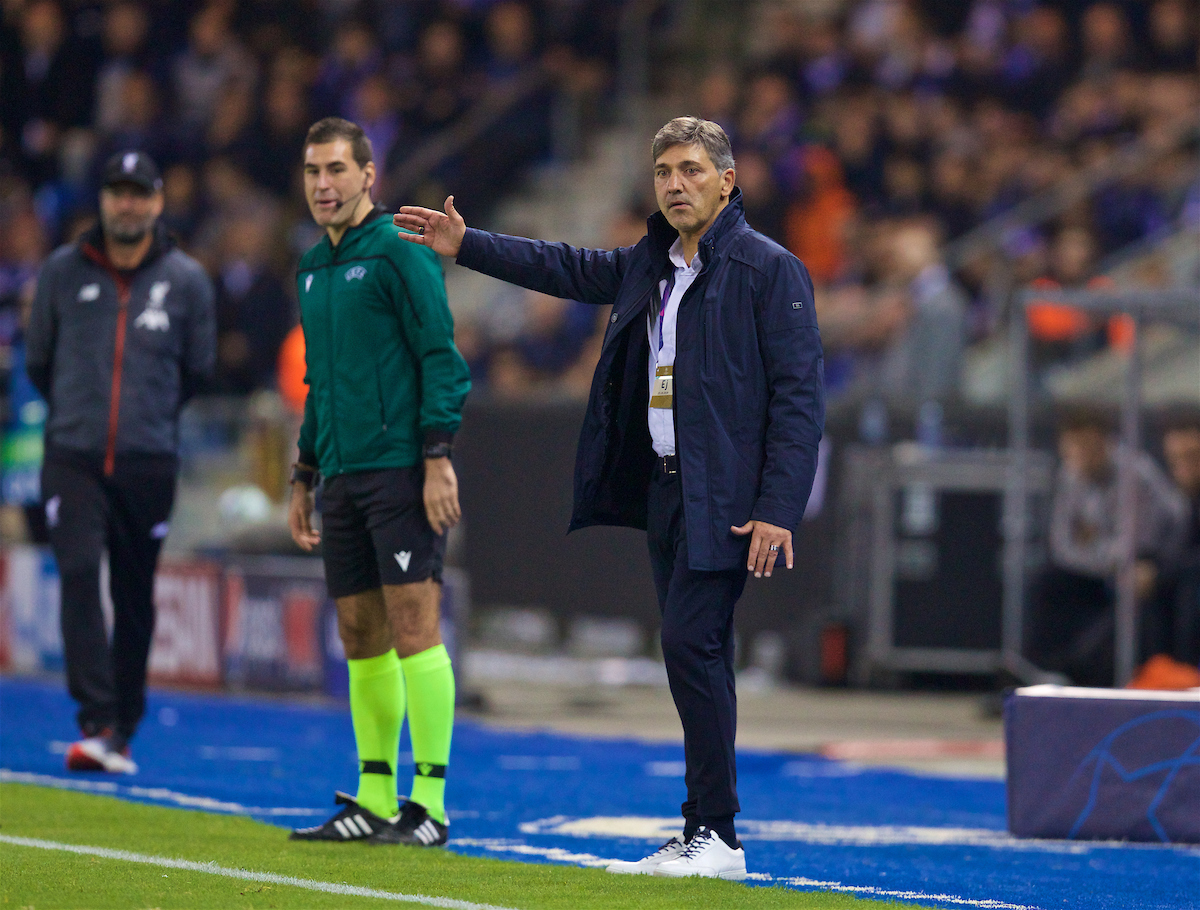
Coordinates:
(697, 642)
(126, 514)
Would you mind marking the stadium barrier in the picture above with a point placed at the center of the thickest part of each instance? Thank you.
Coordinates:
(1103, 764)
(238, 623)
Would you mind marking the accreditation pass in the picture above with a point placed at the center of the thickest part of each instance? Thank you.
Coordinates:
(663, 392)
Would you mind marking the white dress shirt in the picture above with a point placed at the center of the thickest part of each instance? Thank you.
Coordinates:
(662, 420)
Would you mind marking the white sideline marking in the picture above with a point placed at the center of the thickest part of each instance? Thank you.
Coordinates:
(903, 895)
(246, 875)
(159, 794)
(587, 859)
(660, 829)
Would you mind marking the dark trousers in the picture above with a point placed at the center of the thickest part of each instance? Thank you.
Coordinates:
(1171, 618)
(1071, 625)
(697, 644)
(126, 515)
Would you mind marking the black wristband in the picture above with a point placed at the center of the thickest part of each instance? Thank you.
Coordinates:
(438, 450)
(302, 473)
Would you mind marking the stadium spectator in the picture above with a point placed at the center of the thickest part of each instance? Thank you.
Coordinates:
(213, 63)
(181, 201)
(440, 88)
(353, 57)
(1106, 44)
(374, 109)
(125, 49)
(120, 336)
(1173, 613)
(1037, 67)
(49, 79)
(907, 327)
(280, 131)
(1174, 46)
(138, 122)
(254, 311)
(819, 220)
(1071, 621)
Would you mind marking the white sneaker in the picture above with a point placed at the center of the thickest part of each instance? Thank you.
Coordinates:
(672, 849)
(708, 856)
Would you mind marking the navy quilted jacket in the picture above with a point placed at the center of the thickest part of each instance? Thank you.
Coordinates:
(749, 377)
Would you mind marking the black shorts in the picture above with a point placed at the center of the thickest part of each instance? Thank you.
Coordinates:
(374, 531)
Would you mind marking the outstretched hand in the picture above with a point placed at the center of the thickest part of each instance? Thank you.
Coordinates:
(442, 233)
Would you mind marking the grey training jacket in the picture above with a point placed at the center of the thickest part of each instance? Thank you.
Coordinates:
(116, 354)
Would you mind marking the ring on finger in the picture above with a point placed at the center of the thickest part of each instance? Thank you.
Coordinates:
(773, 547)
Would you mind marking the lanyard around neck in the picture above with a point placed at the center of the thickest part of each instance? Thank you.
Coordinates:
(663, 297)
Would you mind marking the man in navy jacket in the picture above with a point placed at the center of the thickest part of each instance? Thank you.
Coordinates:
(702, 427)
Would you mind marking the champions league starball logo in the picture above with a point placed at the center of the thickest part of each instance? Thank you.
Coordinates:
(1161, 749)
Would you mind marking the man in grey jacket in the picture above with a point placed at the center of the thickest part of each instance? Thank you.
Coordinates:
(1071, 618)
(121, 334)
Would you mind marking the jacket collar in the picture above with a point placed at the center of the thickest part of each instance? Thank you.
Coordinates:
(91, 245)
(661, 235)
(354, 229)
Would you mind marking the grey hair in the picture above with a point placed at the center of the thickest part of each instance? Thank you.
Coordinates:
(695, 131)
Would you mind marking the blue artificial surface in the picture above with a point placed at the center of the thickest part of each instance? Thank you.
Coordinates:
(806, 822)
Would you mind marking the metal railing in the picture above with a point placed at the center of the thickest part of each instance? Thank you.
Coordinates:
(1181, 307)
(1130, 159)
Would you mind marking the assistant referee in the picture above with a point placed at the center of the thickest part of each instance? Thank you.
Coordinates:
(386, 390)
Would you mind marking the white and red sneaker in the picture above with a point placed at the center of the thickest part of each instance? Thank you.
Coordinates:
(97, 753)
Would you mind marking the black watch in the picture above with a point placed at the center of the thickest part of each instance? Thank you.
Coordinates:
(438, 450)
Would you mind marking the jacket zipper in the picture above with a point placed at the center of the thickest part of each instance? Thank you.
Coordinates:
(114, 407)
(329, 348)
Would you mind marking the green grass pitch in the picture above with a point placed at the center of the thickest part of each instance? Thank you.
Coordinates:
(45, 879)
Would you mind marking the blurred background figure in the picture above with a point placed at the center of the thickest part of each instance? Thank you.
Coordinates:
(1071, 617)
(254, 311)
(1173, 611)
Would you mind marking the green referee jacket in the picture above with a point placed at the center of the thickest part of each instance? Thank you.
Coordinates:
(383, 374)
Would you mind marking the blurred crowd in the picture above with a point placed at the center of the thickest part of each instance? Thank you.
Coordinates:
(867, 139)
(221, 93)
(867, 134)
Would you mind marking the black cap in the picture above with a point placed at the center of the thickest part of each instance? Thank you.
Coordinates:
(137, 168)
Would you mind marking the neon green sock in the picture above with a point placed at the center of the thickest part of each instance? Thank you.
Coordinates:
(429, 679)
(377, 710)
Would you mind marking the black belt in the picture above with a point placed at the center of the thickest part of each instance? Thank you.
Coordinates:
(667, 464)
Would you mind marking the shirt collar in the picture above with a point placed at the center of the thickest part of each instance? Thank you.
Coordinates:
(675, 253)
